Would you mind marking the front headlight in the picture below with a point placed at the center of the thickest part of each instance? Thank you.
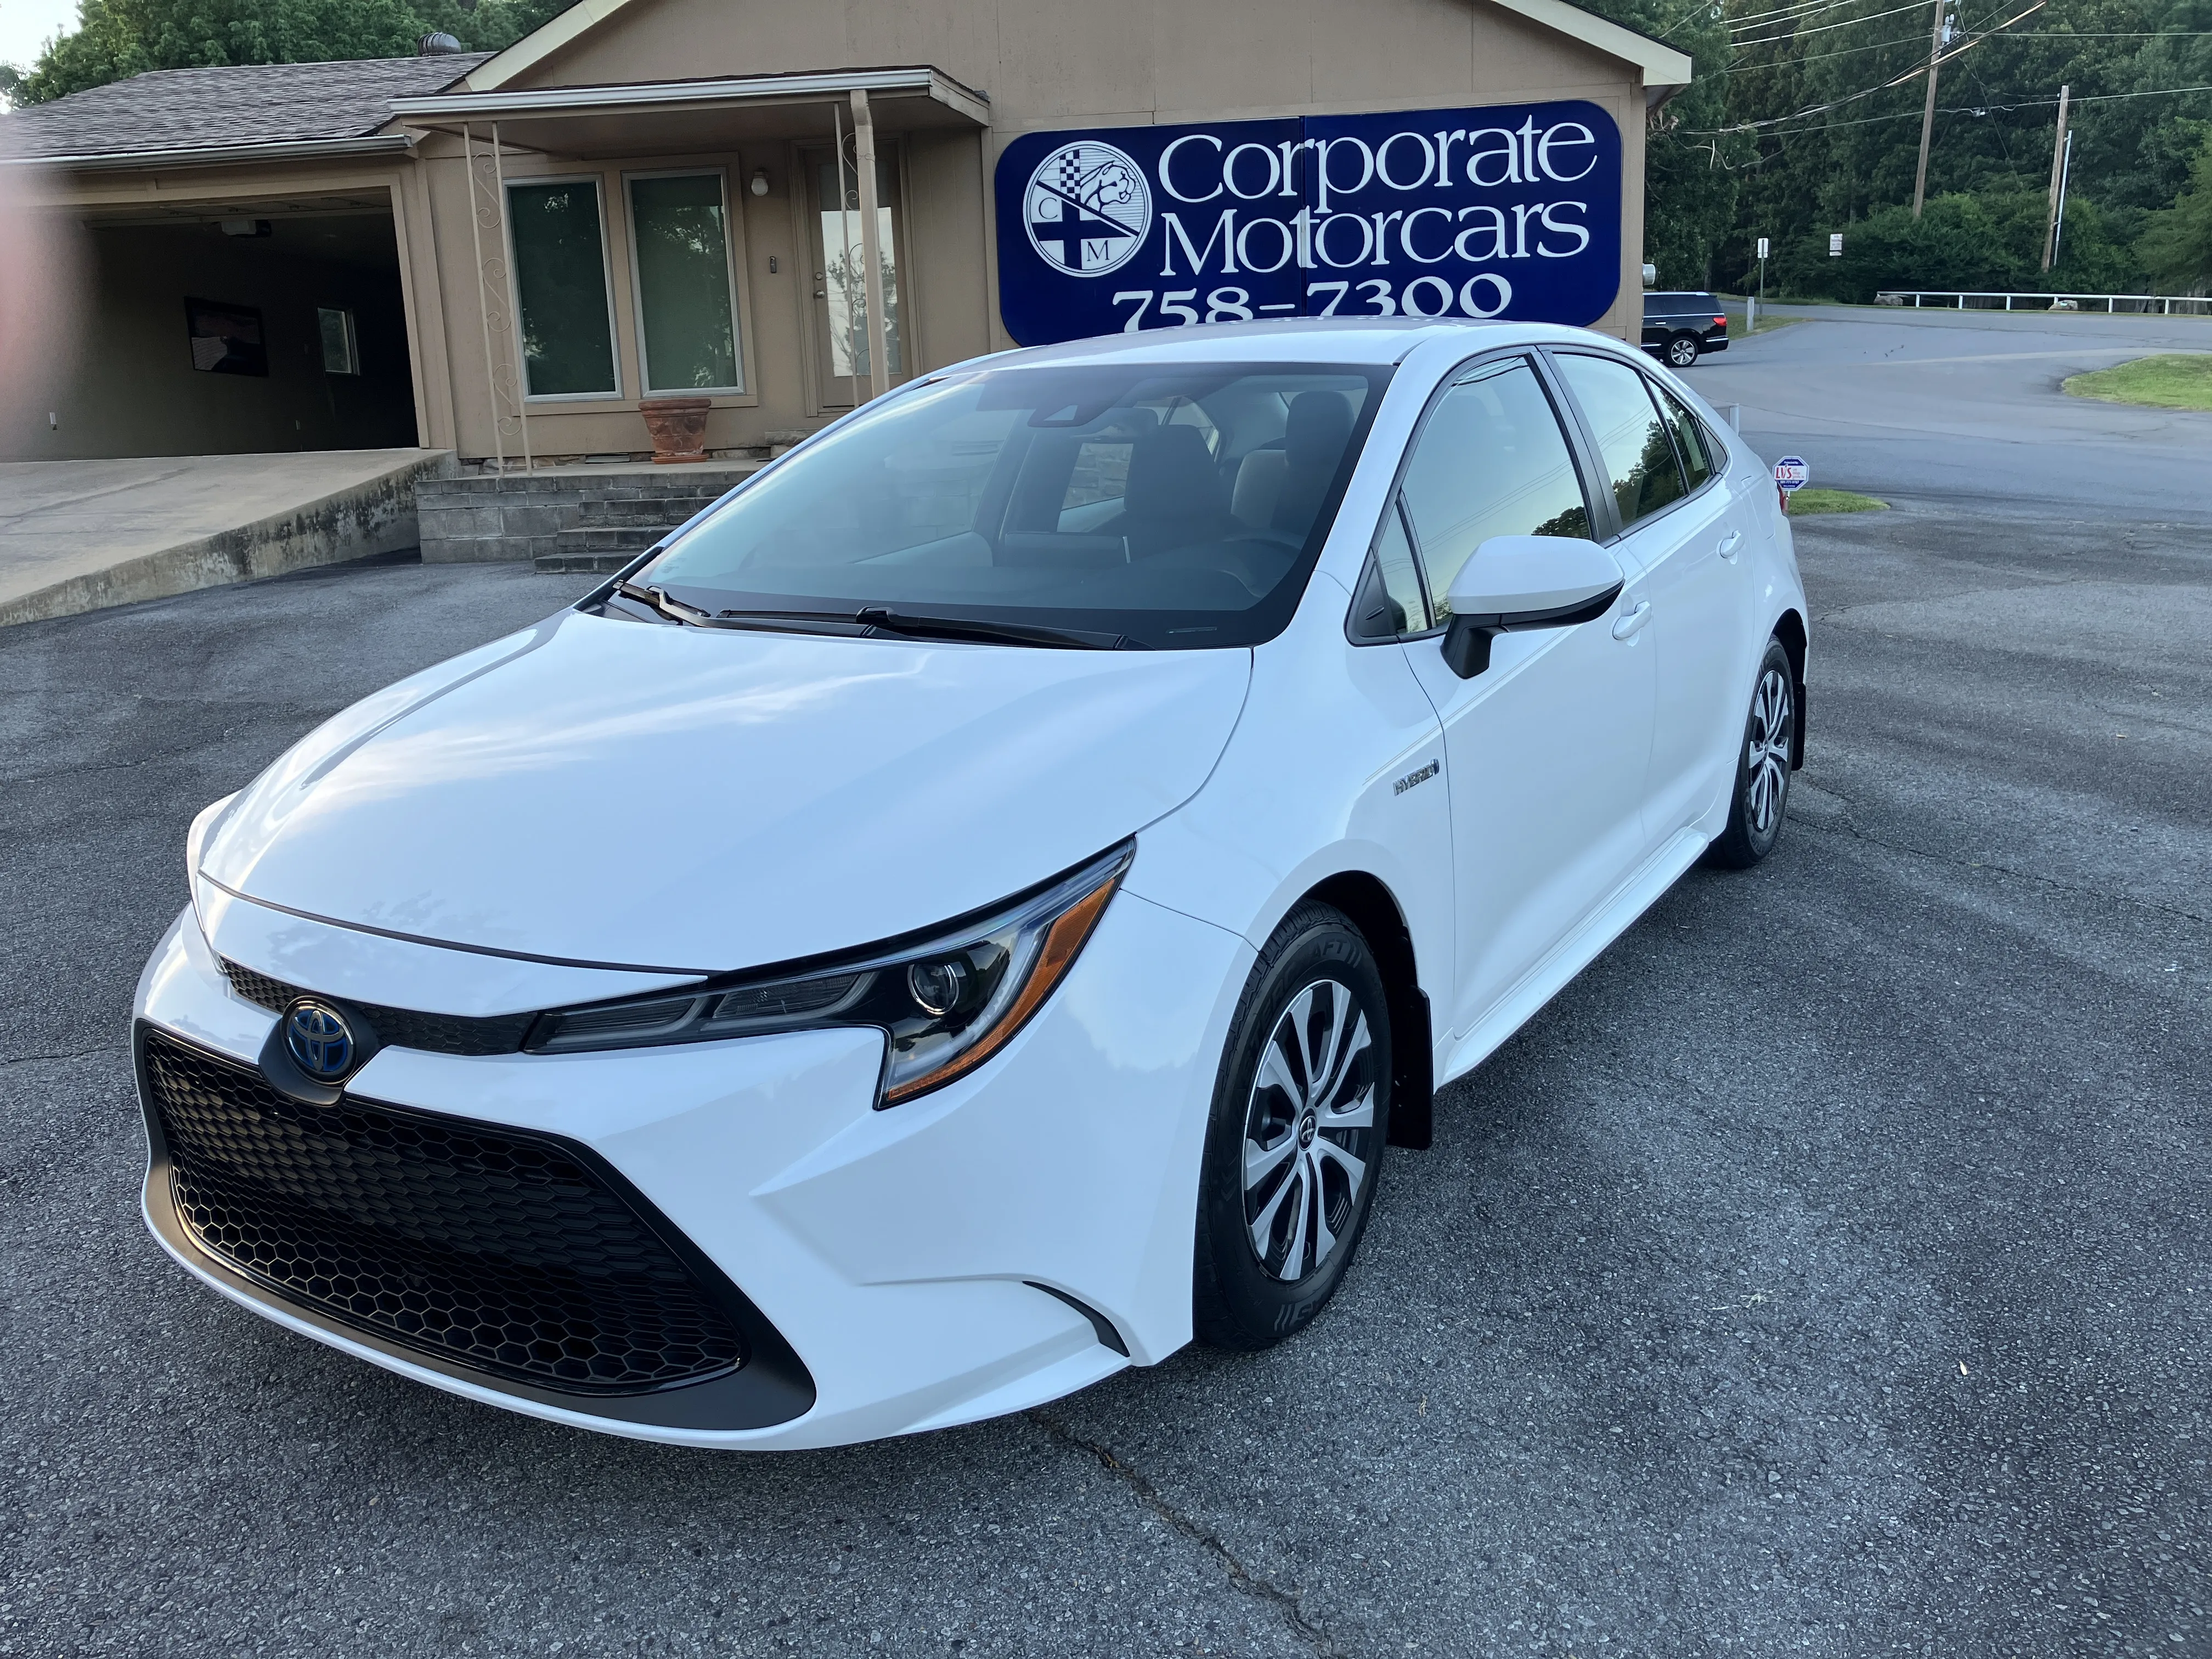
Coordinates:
(947, 1002)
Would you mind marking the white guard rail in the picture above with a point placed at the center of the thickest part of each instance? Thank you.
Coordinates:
(2162, 304)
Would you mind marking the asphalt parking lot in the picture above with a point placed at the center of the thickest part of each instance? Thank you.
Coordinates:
(1828, 1270)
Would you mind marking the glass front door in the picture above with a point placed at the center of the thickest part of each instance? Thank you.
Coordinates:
(841, 293)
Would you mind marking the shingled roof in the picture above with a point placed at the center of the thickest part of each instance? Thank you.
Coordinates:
(164, 111)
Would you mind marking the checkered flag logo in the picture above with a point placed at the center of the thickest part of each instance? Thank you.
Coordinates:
(1088, 209)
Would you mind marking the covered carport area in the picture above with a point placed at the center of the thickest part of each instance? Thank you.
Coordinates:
(243, 276)
(229, 326)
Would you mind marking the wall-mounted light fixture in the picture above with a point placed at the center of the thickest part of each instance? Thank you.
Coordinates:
(760, 181)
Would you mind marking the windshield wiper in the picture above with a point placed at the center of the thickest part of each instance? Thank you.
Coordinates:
(880, 618)
(991, 633)
(662, 603)
(657, 599)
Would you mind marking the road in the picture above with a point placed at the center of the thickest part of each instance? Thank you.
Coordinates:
(1962, 411)
(1828, 1270)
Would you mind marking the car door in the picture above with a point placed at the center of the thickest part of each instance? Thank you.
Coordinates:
(1545, 752)
(1681, 530)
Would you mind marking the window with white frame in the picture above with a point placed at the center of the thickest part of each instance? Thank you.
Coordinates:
(687, 301)
(567, 323)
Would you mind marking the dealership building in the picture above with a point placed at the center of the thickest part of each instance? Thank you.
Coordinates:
(785, 208)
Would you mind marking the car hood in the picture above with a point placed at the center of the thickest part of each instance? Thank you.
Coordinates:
(609, 792)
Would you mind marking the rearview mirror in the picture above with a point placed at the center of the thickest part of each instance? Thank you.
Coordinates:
(1516, 582)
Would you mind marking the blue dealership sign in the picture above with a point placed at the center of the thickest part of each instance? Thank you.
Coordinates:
(1511, 212)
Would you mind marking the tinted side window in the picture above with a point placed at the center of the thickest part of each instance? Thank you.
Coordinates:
(1634, 447)
(1689, 438)
(1491, 461)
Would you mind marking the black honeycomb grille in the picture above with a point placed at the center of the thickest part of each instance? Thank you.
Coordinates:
(500, 1250)
(403, 1027)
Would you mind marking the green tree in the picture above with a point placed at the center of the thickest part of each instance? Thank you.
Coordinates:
(117, 38)
(2176, 244)
(1989, 240)
(1690, 176)
(1850, 156)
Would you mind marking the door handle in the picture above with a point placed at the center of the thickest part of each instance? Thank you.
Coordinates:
(1630, 625)
(1729, 542)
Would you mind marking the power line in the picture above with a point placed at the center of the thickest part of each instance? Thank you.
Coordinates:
(1911, 74)
(1844, 51)
(1914, 40)
(1997, 108)
(1822, 28)
(1800, 9)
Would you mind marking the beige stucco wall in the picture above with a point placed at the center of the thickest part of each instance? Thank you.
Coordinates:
(1047, 63)
(943, 272)
(1053, 64)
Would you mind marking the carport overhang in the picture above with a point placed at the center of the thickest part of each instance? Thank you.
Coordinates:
(679, 117)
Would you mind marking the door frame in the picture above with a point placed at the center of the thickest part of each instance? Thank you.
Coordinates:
(822, 388)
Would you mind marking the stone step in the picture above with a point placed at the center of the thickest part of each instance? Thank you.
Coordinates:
(671, 510)
(603, 564)
(626, 539)
(540, 515)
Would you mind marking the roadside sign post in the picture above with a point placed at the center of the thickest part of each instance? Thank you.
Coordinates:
(1790, 473)
(1835, 244)
(1750, 322)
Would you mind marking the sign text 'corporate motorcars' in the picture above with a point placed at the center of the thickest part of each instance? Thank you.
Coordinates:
(1510, 212)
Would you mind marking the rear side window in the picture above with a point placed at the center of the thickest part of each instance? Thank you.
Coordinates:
(1491, 461)
(1689, 438)
(1634, 449)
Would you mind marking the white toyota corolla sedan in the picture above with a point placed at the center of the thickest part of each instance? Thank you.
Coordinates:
(968, 912)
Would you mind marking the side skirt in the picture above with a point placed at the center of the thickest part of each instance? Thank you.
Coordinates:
(1572, 954)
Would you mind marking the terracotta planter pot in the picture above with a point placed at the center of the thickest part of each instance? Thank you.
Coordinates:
(679, 426)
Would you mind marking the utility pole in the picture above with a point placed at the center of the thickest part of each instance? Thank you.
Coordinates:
(2057, 183)
(1928, 111)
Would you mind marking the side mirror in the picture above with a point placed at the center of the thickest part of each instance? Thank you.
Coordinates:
(1518, 582)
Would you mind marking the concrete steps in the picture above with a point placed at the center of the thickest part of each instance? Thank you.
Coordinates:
(579, 518)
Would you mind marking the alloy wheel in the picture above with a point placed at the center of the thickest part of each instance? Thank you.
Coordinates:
(1308, 1130)
(1681, 351)
(1766, 753)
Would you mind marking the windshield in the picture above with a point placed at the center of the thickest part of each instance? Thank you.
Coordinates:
(1177, 506)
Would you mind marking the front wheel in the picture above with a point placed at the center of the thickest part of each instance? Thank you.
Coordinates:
(1682, 351)
(1762, 767)
(1301, 1111)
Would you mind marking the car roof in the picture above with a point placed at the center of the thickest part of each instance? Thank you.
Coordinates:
(1352, 341)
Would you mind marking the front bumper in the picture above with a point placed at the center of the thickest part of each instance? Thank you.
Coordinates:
(917, 1265)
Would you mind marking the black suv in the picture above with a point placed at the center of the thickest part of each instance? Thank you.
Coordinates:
(1677, 327)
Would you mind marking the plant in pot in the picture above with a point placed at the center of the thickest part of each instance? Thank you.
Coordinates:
(679, 426)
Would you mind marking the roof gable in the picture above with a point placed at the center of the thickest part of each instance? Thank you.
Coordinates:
(1659, 66)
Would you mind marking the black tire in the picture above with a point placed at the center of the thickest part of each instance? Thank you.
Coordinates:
(1762, 766)
(1682, 351)
(1316, 961)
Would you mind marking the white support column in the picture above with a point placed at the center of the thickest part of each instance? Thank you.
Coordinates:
(864, 157)
(483, 301)
(514, 309)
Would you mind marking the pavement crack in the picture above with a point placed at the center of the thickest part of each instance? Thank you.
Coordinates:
(1855, 834)
(1281, 1601)
(77, 1054)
